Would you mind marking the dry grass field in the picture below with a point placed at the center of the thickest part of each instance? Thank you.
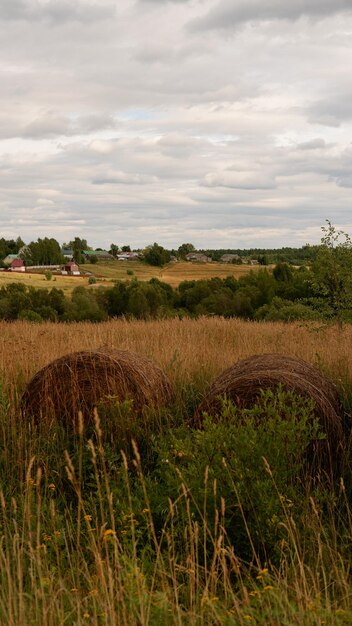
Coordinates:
(173, 273)
(187, 349)
(37, 280)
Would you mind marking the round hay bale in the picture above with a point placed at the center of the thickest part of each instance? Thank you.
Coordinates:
(242, 384)
(83, 380)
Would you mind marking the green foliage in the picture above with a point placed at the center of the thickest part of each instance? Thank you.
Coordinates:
(48, 275)
(92, 280)
(251, 459)
(43, 252)
(332, 272)
(156, 255)
(185, 249)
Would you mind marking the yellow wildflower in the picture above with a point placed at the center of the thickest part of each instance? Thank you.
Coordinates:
(108, 533)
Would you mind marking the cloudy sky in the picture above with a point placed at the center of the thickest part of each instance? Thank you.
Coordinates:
(226, 123)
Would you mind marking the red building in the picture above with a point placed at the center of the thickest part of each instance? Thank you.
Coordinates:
(17, 265)
(71, 268)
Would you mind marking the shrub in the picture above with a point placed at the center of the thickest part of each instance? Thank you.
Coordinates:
(251, 465)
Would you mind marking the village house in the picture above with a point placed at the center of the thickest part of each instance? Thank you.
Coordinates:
(17, 265)
(71, 269)
(128, 256)
(200, 257)
(231, 258)
(101, 255)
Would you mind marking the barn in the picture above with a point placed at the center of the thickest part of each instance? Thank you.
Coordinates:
(71, 268)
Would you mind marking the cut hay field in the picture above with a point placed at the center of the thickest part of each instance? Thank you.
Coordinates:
(173, 273)
(37, 280)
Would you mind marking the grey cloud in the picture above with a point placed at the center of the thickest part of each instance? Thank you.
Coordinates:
(313, 144)
(56, 11)
(51, 124)
(331, 111)
(229, 14)
(239, 180)
(124, 178)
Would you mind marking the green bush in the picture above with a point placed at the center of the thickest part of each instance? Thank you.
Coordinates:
(250, 463)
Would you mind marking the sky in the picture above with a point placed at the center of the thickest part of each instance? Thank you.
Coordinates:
(224, 123)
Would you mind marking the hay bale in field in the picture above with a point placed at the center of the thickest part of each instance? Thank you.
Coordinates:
(83, 380)
(242, 384)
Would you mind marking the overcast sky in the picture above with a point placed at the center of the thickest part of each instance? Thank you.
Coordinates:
(225, 123)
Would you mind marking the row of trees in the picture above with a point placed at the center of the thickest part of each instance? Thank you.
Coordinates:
(47, 251)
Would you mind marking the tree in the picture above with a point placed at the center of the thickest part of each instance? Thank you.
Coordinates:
(114, 249)
(156, 255)
(332, 272)
(43, 252)
(184, 249)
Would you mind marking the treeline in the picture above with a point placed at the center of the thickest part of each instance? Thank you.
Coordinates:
(294, 256)
(285, 294)
(47, 251)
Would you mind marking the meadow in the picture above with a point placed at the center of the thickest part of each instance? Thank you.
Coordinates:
(181, 527)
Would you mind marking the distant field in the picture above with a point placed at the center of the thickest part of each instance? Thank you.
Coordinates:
(66, 283)
(173, 273)
(106, 273)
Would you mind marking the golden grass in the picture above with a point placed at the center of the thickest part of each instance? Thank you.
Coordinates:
(66, 283)
(186, 349)
(173, 273)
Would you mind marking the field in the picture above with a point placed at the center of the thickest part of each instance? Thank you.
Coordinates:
(110, 271)
(152, 536)
(173, 273)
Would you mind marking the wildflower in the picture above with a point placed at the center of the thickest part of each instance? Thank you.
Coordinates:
(52, 487)
(88, 518)
(57, 533)
(47, 537)
(74, 590)
(123, 532)
(86, 615)
(93, 592)
(254, 593)
(145, 510)
(108, 533)
(263, 571)
(268, 587)
(248, 618)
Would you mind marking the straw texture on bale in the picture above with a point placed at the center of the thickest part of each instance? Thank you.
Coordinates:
(242, 384)
(82, 380)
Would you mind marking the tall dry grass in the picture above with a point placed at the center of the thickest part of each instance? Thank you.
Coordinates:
(186, 349)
